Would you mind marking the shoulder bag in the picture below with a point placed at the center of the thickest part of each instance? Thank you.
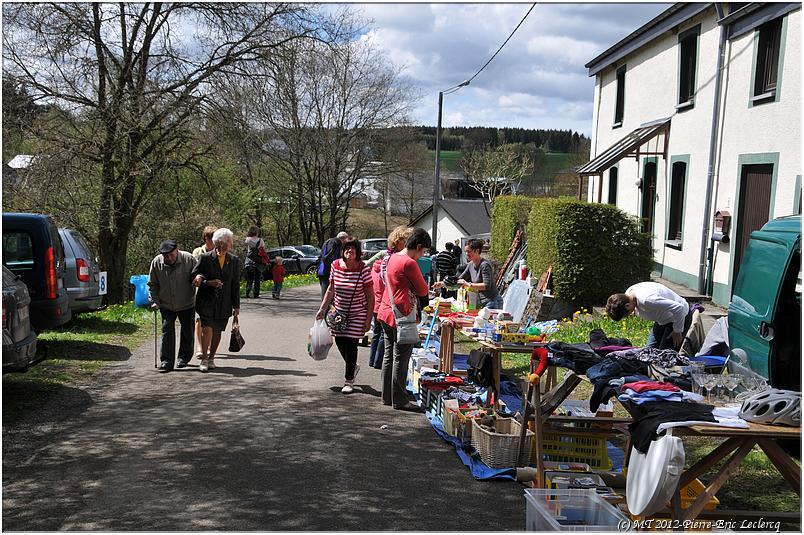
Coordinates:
(337, 319)
(407, 329)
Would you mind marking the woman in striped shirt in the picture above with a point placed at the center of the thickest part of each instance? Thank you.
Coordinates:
(352, 291)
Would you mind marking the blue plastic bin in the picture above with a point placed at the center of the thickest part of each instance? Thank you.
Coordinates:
(140, 283)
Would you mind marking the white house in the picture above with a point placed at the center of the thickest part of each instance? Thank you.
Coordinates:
(697, 114)
(457, 220)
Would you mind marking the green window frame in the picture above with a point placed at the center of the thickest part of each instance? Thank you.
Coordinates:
(688, 45)
(676, 200)
(768, 62)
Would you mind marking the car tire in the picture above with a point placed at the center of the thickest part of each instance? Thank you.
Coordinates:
(312, 269)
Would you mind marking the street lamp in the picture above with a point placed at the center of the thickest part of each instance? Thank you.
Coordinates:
(437, 186)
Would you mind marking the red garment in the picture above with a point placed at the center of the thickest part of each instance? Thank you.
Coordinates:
(278, 273)
(378, 283)
(404, 277)
(641, 386)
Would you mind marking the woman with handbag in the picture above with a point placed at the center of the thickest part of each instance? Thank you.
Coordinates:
(217, 277)
(397, 314)
(346, 306)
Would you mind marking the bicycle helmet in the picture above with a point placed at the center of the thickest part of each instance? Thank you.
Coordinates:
(774, 407)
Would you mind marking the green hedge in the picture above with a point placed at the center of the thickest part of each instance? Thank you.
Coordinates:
(507, 214)
(595, 249)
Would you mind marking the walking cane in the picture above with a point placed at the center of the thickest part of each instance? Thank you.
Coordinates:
(155, 366)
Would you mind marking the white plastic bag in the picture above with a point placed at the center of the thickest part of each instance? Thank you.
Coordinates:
(319, 340)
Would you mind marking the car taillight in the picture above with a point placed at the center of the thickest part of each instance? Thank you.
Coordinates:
(50, 274)
(83, 269)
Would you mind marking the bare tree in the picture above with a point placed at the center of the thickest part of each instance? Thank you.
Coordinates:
(496, 172)
(129, 79)
(323, 104)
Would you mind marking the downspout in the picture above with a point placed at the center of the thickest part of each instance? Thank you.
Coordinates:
(710, 175)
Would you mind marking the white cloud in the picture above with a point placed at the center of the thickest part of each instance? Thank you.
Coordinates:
(538, 80)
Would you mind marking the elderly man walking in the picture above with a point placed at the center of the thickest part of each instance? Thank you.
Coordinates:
(171, 290)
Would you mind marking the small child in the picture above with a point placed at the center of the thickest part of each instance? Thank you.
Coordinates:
(278, 276)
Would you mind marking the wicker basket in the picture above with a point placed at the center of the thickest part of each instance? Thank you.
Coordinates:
(499, 450)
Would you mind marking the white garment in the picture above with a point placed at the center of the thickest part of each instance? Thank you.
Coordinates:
(656, 302)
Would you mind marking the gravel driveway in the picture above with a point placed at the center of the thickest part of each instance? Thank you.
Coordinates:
(266, 442)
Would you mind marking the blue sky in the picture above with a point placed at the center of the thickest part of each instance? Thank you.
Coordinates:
(537, 81)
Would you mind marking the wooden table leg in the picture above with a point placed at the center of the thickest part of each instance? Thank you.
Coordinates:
(496, 366)
(783, 463)
(722, 476)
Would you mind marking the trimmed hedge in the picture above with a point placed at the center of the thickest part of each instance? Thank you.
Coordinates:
(595, 249)
(507, 214)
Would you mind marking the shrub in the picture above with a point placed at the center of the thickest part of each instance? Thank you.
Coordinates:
(508, 213)
(595, 249)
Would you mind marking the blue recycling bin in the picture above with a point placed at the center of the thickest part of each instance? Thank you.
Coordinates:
(140, 283)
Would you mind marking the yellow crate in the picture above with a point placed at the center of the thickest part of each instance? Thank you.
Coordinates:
(575, 447)
(690, 493)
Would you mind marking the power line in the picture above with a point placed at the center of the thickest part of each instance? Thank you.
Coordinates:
(504, 43)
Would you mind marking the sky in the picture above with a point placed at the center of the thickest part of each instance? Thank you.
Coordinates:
(537, 81)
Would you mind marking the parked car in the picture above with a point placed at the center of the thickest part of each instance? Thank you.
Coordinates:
(298, 258)
(765, 311)
(372, 246)
(19, 340)
(33, 251)
(82, 275)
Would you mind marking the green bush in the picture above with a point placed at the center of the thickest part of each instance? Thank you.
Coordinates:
(595, 249)
(508, 213)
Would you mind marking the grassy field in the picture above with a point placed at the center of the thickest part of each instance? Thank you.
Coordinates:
(291, 281)
(369, 223)
(76, 352)
(755, 486)
(554, 162)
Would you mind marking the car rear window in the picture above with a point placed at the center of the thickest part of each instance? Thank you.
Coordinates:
(18, 251)
(82, 243)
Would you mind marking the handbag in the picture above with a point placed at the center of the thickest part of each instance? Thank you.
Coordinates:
(236, 341)
(337, 320)
(480, 368)
(407, 328)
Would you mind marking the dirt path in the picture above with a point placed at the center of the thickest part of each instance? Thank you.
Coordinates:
(266, 442)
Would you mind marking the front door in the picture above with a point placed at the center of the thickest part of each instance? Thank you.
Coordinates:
(648, 196)
(753, 208)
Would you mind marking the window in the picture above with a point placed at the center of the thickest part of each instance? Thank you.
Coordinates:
(678, 179)
(613, 185)
(767, 67)
(688, 51)
(17, 250)
(620, 105)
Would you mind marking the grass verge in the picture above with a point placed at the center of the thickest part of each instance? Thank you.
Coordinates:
(291, 281)
(76, 352)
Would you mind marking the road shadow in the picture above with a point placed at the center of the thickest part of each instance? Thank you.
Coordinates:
(25, 397)
(80, 350)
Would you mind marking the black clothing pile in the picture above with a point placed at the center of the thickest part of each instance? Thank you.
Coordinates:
(648, 416)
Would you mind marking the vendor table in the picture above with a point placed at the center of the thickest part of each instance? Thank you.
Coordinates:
(496, 350)
(736, 441)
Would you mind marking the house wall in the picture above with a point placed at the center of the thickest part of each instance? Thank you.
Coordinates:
(448, 229)
(761, 133)
(651, 92)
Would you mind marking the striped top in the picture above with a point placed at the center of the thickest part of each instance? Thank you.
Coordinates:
(446, 263)
(344, 281)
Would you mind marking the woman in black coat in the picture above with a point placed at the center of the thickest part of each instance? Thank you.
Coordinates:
(217, 276)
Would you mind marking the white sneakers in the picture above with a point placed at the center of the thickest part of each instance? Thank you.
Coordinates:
(348, 387)
(203, 367)
(211, 364)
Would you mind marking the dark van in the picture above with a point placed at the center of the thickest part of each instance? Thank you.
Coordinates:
(32, 250)
(765, 310)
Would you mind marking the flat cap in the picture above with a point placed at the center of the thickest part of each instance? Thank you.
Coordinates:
(167, 246)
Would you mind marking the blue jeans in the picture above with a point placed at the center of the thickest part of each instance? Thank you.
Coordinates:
(277, 289)
(253, 279)
(377, 349)
(497, 302)
(186, 319)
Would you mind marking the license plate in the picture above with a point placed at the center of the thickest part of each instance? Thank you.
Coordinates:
(102, 283)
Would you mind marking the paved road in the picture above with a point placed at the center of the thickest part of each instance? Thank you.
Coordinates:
(266, 442)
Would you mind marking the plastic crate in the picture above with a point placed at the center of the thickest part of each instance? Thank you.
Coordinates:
(574, 447)
(690, 493)
(432, 400)
(499, 450)
(571, 510)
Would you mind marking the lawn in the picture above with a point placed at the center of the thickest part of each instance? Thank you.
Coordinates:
(291, 281)
(756, 485)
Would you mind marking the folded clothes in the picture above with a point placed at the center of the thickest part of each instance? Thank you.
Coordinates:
(641, 386)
